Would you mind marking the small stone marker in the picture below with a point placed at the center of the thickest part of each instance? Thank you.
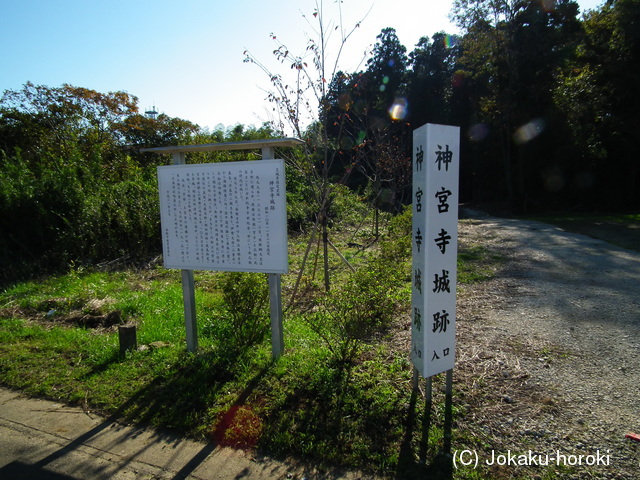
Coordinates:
(127, 337)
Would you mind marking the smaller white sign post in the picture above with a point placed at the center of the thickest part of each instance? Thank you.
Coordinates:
(435, 247)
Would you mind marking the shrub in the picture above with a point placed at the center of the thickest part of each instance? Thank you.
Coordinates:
(62, 212)
(246, 309)
(301, 208)
(355, 311)
(395, 246)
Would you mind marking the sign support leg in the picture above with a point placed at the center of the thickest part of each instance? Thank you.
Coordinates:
(189, 296)
(449, 385)
(448, 411)
(275, 304)
(188, 287)
(275, 293)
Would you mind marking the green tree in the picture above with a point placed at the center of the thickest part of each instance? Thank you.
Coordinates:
(366, 111)
(387, 71)
(597, 90)
(511, 50)
(142, 131)
(71, 188)
(46, 121)
(432, 79)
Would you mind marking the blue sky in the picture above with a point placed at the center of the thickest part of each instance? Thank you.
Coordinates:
(186, 57)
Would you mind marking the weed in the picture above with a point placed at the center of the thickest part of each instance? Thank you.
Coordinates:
(243, 318)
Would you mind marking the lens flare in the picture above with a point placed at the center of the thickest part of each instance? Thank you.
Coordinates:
(478, 132)
(529, 131)
(450, 41)
(385, 80)
(553, 179)
(398, 110)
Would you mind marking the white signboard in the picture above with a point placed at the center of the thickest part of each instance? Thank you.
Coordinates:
(224, 216)
(436, 163)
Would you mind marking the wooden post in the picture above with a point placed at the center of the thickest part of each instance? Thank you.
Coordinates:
(188, 288)
(275, 294)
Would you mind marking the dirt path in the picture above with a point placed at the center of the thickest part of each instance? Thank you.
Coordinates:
(550, 347)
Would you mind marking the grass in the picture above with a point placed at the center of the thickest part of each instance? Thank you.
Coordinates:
(358, 412)
(476, 264)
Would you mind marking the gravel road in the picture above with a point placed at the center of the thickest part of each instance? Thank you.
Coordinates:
(551, 347)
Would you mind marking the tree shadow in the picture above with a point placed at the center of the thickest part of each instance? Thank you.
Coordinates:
(24, 471)
(161, 401)
(317, 411)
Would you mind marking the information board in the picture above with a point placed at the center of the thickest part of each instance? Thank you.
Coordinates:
(436, 163)
(224, 216)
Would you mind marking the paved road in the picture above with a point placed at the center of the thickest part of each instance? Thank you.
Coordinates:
(41, 440)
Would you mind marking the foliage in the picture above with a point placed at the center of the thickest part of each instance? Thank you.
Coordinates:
(600, 107)
(522, 79)
(364, 112)
(74, 188)
(361, 308)
(66, 214)
(549, 116)
(434, 85)
(545, 102)
(244, 321)
(396, 244)
(45, 123)
(510, 54)
(300, 211)
(387, 69)
(354, 311)
(295, 101)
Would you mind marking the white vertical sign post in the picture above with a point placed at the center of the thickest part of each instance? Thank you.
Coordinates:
(436, 162)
